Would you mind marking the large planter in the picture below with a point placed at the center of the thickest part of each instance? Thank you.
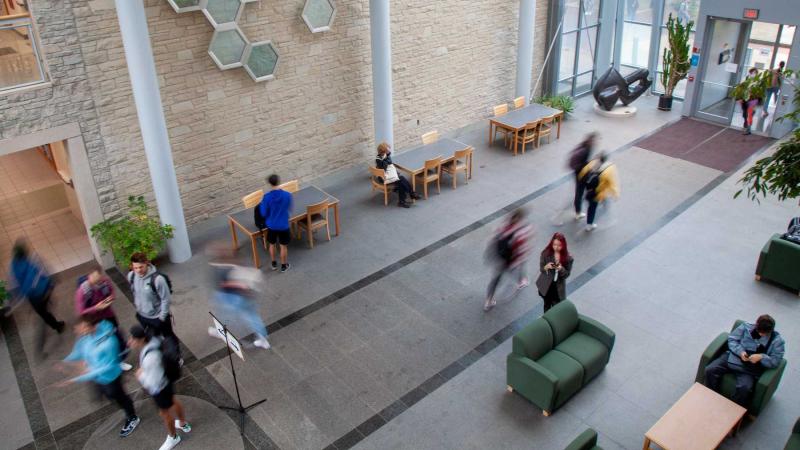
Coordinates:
(665, 103)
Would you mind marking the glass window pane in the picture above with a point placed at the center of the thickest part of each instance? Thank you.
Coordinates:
(635, 44)
(223, 11)
(685, 10)
(627, 70)
(570, 15)
(762, 31)
(591, 12)
(566, 65)
(787, 35)
(587, 50)
(262, 60)
(639, 10)
(564, 87)
(227, 47)
(583, 83)
(758, 55)
(18, 62)
(318, 13)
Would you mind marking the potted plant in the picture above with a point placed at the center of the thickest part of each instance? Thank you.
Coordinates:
(138, 231)
(675, 60)
(564, 103)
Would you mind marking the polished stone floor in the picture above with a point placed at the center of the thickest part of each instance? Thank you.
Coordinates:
(379, 339)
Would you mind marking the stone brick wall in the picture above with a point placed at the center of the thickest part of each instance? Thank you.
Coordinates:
(453, 60)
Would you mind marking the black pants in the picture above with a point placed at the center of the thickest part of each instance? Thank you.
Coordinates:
(114, 392)
(592, 212)
(163, 329)
(551, 297)
(42, 307)
(745, 379)
(503, 269)
(579, 188)
(403, 188)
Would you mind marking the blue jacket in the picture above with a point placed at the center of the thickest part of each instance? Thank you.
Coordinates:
(740, 340)
(31, 279)
(100, 352)
(275, 208)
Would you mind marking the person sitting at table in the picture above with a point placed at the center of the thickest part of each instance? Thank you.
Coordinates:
(401, 186)
(752, 348)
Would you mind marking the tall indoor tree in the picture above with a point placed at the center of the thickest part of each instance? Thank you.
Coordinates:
(676, 61)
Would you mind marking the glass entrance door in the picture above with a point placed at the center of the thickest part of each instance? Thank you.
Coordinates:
(725, 45)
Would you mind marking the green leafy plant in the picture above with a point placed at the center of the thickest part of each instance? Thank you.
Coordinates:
(3, 293)
(137, 231)
(564, 103)
(676, 60)
(752, 87)
(779, 173)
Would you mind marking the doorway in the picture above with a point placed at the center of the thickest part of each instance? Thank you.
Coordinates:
(724, 51)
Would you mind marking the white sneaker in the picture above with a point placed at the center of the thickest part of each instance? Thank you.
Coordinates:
(185, 428)
(125, 366)
(262, 342)
(580, 216)
(591, 227)
(171, 442)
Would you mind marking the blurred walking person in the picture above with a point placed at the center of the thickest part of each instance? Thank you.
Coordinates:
(98, 350)
(578, 159)
(511, 249)
(155, 377)
(775, 82)
(30, 280)
(749, 105)
(94, 297)
(555, 265)
(601, 184)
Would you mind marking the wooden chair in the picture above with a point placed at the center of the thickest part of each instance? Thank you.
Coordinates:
(252, 200)
(430, 137)
(433, 172)
(316, 218)
(519, 102)
(500, 110)
(546, 125)
(374, 174)
(462, 161)
(528, 135)
(290, 186)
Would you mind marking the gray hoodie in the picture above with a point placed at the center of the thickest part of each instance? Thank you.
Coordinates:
(148, 304)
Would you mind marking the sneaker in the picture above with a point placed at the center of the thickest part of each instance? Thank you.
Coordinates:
(285, 267)
(125, 366)
(130, 425)
(523, 284)
(171, 442)
(580, 216)
(274, 265)
(185, 427)
(262, 342)
(591, 227)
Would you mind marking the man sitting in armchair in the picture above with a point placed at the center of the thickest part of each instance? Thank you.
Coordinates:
(752, 348)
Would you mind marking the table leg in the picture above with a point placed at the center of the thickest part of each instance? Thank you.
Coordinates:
(254, 245)
(558, 130)
(516, 137)
(414, 181)
(646, 445)
(336, 217)
(490, 133)
(233, 234)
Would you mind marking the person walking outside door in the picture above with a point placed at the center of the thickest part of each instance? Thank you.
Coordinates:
(774, 87)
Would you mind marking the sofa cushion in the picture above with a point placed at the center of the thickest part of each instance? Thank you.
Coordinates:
(793, 443)
(563, 319)
(588, 351)
(534, 340)
(568, 371)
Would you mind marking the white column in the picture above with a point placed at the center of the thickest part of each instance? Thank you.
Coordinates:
(142, 71)
(527, 15)
(381, 43)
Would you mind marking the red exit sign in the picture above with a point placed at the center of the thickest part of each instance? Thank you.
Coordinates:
(750, 13)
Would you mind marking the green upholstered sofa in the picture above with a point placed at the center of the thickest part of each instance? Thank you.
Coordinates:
(554, 356)
(765, 386)
(585, 441)
(779, 262)
(794, 440)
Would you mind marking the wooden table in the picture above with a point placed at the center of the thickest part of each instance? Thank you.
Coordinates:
(413, 161)
(517, 120)
(300, 201)
(699, 420)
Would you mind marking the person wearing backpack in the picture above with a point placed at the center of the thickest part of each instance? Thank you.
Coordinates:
(600, 178)
(152, 294)
(578, 159)
(157, 374)
(511, 247)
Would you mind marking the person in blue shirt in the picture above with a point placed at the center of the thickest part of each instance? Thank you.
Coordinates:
(32, 282)
(275, 208)
(97, 350)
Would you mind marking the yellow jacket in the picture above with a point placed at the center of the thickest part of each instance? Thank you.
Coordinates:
(608, 185)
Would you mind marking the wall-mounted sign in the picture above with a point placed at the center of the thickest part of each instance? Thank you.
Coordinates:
(750, 14)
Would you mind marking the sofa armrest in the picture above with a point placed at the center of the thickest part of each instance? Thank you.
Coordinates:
(714, 349)
(762, 257)
(766, 386)
(597, 330)
(585, 441)
(532, 380)
(796, 429)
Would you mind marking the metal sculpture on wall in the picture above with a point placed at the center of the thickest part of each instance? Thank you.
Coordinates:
(611, 87)
(229, 47)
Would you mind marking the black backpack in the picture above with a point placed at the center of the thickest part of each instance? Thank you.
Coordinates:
(793, 231)
(258, 219)
(504, 247)
(578, 159)
(170, 358)
(152, 283)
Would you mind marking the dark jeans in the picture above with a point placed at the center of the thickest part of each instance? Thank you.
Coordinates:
(403, 188)
(114, 392)
(163, 329)
(42, 307)
(579, 188)
(503, 269)
(592, 212)
(745, 379)
(551, 297)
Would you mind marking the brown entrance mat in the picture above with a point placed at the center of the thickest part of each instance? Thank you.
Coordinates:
(727, 150)
(679, 138)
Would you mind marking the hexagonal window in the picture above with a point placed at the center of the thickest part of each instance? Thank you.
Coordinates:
(186, 5)
(261, 61)
(220, 12)
(227, 48)
(318, 14)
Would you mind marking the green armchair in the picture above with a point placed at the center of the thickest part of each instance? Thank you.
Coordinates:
(765, 386)
(585, 441)
(794, 440)
(779, 261)
(554, 356)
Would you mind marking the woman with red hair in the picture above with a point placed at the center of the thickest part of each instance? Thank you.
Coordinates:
(555, 264)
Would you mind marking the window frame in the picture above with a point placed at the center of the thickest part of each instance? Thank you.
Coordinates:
(25, 20)
(579, 31)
